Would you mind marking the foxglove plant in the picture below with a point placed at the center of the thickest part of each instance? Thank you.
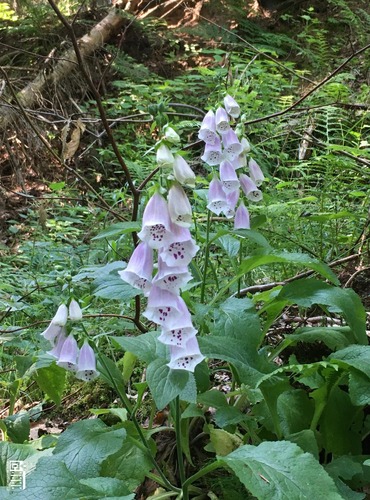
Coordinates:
(65, 349)
(165, 229)
(223, 148)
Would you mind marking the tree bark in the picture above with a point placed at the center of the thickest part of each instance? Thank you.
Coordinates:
(30, 95)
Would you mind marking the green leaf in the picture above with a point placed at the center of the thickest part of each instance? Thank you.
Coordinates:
(340, 425)
(129, 464)
(222, 442)
(306, 292)
(306, 440)
(254, 236)
(118, 229)
(295, 411)
(238, 319)
(280, 470)
(18, 427)
(268, 257)
(250, 365)
(146, 347)
(12, 451)
(333, 337)
(112, 287)
(355, 356)
(51, 380)
(230, 245)
(85, 444)
(166, 384)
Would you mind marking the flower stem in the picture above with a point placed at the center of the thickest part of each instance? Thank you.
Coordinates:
(206, 259)
(202, 472)
(180, 457)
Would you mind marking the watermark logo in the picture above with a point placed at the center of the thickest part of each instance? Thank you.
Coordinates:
(16, 475)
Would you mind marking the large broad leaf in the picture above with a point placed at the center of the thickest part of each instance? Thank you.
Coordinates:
(146, 347)
(238, 319)
(18, 427)
(85, 444)
(129, 464)
(333, 337)
(118, 229)
(301, 259)
(306, 292)
(51, 380)
(52, 479)
(295, 411)
(281, 470)
(9, 452)
(166, 384)
(251, 366)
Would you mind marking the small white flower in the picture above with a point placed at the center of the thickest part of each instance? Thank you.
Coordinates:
(179, 206)
(164, 157)
(75, 313)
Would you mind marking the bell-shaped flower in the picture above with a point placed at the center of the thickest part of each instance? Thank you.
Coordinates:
(231, 200)
(239, 161)
(61, 316)
(139, 270)
(164, 157)
(86, 366)
(207, 132)
(241, 220)
(59, 341)
(187, 357)
(250, 189)
(156, 230)
(228, 177)
(74, 311)
(255, 172)
(213, 153)
(179, 333)
(163, 307)
(56, 324)
(182, 172)
(232, 146)
(171, 278)
(222, 121)
(68, 354)
(170, 135)
(217, 202)
(179, 206)
(177, 336)
(231, 106)
(245, 144)
(182, 250)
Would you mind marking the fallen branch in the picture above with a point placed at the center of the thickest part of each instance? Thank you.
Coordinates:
(31, 94)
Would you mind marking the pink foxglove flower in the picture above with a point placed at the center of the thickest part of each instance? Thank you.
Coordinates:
(217, 202)
(182, 172)
(250, 189)
(239, 161)
(245, 143)
(171, 278)
(163, 307)
(177, 336)
(241, 220)
(232, 146)
(74, 311)
(170, 135)
(56, 324)
(179, 206)
(68, 354)
(213, 153)
(139, 270)
(86, 366)
(55, 352)
(156, 230)
(186, 358)
(164, 157)
(222, 121)
(231, 200)
(231, 106)
(228, 177)
(207, 132)
(182, 250)
(255, 172)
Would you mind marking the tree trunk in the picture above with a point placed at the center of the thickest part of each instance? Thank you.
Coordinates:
(30, 95)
